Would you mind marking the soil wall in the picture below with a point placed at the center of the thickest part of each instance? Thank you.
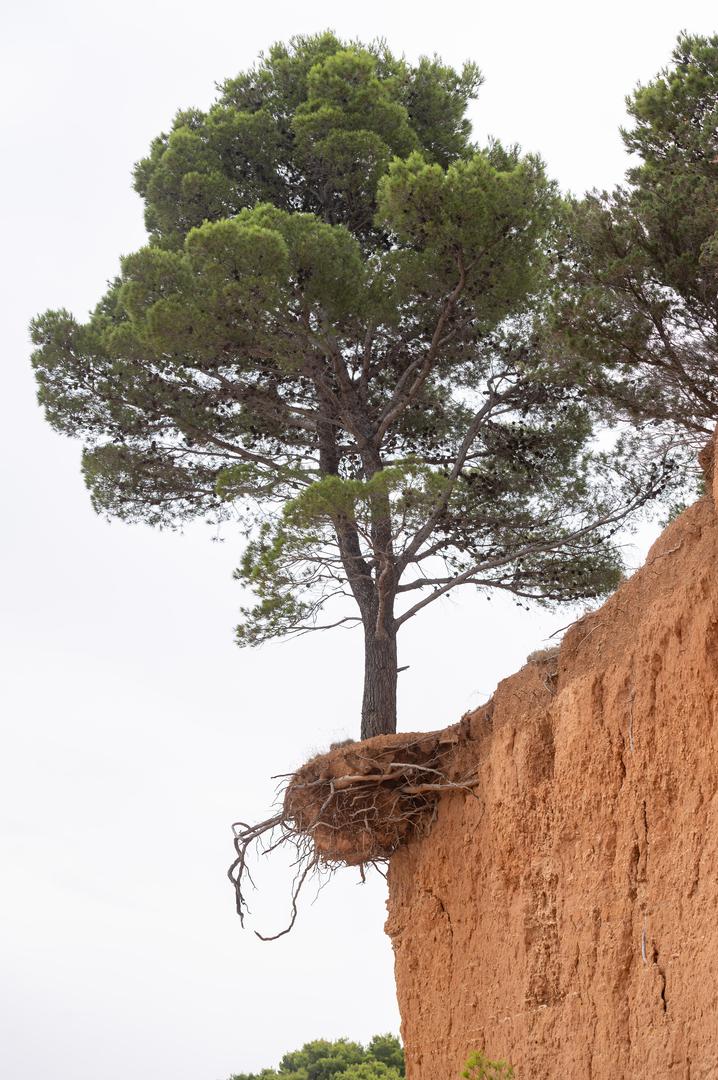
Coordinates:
(566, 917)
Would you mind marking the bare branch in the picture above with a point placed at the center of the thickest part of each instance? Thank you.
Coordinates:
(403, 397)
(534, 548)
(427, 528)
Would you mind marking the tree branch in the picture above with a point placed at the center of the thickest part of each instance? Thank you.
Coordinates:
(535, 548)
(400, 400)
(427, 528)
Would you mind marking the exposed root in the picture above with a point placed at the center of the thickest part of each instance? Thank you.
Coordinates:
(352, 807)
(541, 656)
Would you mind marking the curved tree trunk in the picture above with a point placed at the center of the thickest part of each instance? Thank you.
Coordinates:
(378, 714)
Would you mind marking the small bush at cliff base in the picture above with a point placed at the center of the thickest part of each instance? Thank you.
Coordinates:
(381, 1059)
(478, 1067)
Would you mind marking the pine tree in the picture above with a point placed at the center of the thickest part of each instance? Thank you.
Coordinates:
(640, 310)
(332, 333)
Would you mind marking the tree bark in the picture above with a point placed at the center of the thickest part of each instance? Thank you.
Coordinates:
(378, 714)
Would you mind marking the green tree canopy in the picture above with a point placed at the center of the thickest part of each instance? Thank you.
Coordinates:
(310, 129)
(332, 334)
(641, 309)
(381, 1059)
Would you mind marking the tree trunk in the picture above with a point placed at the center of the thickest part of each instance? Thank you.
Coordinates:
(378, 714)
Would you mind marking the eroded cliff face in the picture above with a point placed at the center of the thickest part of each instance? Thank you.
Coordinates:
(566, 917)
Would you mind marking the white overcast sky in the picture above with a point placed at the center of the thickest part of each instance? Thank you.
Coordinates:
(133, 730)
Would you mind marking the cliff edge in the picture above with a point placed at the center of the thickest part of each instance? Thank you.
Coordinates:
(564, 916)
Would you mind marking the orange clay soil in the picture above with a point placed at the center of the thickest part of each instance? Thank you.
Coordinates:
(553, 876)
(567, 918)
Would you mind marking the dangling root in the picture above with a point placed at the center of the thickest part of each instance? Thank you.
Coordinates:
(353, 807)
(267, 836)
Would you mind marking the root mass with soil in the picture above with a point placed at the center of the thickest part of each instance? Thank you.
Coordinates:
(353, 806)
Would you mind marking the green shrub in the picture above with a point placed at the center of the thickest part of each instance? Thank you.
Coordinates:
(381, 1059)
(478, 1067)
